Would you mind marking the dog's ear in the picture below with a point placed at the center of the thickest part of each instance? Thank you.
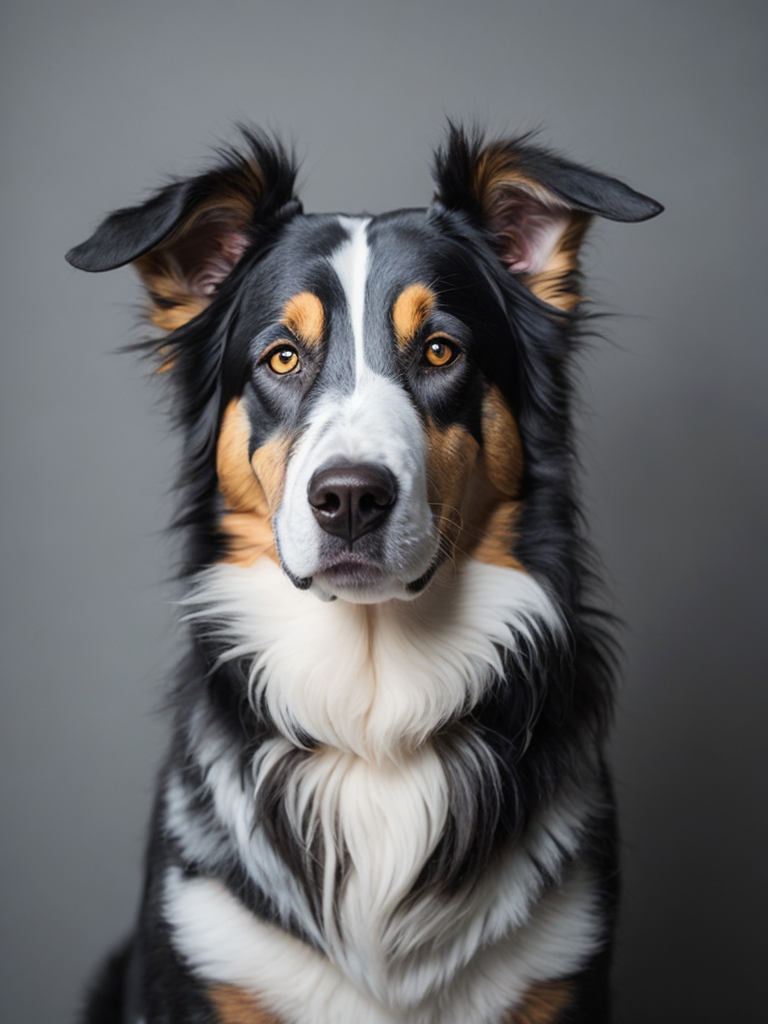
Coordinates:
(189, 236)
(536, 206)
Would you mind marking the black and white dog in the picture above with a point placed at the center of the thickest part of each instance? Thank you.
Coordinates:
(385, 799)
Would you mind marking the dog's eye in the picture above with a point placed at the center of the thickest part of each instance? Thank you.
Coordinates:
(440, 351)
(284, 360)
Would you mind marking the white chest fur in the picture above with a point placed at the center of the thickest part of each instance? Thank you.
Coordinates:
(226, 944)
(374, 680)
(372, 684)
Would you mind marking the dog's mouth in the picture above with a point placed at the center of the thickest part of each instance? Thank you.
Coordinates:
(358, 576)
(352, 571)
(417, 586)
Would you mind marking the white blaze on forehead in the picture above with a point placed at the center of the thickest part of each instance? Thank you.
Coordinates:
(351, 265)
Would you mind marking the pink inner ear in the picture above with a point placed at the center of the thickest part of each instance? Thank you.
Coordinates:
(529, 232)
(224, 253)
(208, 254)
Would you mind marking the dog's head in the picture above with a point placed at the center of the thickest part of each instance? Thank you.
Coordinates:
(365, 397)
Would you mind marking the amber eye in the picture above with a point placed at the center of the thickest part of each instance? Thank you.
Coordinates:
(440, 351)
(284, 360)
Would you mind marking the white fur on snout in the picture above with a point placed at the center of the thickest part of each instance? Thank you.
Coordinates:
(376, 423)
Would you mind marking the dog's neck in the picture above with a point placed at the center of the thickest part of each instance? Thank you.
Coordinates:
(376, 681)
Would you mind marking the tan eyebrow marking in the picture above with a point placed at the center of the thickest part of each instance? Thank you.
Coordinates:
(411, 309)
(303, 315)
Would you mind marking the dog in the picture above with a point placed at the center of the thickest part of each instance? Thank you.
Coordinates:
(386, 799)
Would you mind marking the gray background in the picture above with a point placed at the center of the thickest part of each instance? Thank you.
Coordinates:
(99, 101)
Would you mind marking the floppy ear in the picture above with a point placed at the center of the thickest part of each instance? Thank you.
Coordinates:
(189, 236)
(536, 205)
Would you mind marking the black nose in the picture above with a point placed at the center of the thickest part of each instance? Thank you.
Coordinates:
(349, 501)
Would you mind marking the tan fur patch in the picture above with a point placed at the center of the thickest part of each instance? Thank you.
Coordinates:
(411, 309)
(543, 1004)
(234, 1006)
(303, 315)
(268, 463)
(239, 486)
(502, 447)
(495, 174)
(170, 303)
(473, 490)
(251, 489)
(555, 284)
(490, 506)
(496, 179)
(490, 530)
(451, 456)
(236, 201)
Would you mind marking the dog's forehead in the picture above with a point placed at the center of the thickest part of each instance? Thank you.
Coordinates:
(344, 258)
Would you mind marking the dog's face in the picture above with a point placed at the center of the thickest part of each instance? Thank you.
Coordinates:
(361, 412)
(353, 386)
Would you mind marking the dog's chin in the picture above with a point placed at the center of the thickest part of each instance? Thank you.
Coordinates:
(359, 580)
